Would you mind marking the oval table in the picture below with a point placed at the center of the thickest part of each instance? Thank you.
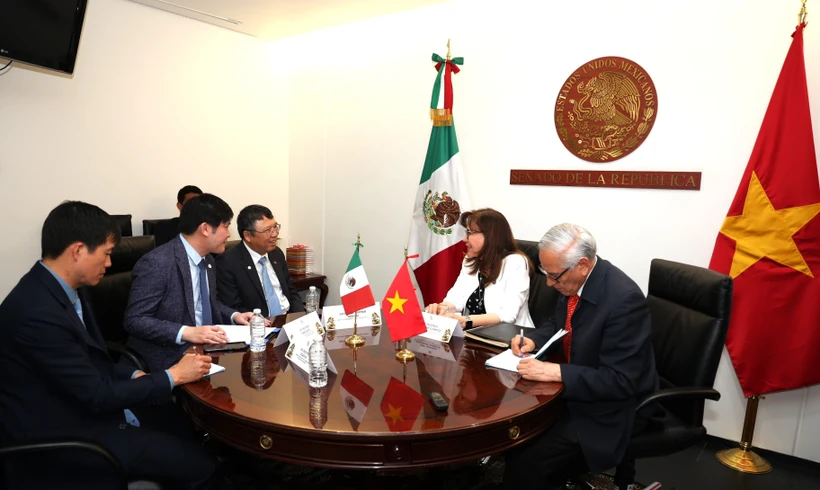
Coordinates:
(375, 412)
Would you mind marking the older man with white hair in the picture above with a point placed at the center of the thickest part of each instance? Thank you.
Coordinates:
(608, 361)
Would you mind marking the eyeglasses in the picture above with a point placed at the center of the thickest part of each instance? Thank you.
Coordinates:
(553, 277)
(470, 232)
(269, 231)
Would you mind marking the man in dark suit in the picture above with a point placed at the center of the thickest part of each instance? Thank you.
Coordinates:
(255, 274)
(167, 229)
(609, 363)
(173, 300)
(57, 380)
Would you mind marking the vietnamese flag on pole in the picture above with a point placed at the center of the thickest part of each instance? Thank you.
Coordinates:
(400, 406)
(401, 309)
(770, 245)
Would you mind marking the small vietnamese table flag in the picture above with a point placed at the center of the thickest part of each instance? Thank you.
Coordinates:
(400, 406)
(355, 289)
(770, 245)
(401, 309)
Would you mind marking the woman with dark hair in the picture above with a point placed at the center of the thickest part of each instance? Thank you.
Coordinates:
(494, 283)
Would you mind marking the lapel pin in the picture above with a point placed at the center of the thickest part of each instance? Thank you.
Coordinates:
(209, 266)
(249, 267)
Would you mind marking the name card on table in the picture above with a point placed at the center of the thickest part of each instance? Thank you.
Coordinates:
(334, 317)
(441, 328)
(436, 348)
(301, 333)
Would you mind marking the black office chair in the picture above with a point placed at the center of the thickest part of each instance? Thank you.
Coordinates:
(108, 300)
(124, 222)
(690, 308)
(148, 226)
(543, 298)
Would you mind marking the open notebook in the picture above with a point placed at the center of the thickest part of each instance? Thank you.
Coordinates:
(240, 333)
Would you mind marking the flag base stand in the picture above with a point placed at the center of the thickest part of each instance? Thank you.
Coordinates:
(405, 355)
(354, 341)
(743, 458)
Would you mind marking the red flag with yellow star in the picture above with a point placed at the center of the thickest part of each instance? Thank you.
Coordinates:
(770, 245)
(401, 309)
(400, 406)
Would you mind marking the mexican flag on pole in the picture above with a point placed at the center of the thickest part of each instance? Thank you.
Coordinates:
(435, 234)
(355, 289)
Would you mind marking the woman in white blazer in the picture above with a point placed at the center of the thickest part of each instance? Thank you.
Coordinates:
(494, 283)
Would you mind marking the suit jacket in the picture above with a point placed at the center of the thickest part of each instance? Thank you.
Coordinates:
(165, 231)
(162, 301)
(239, 284)
(612, 362)
(56, 378)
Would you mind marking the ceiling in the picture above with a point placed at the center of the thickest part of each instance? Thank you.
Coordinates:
(276, 19)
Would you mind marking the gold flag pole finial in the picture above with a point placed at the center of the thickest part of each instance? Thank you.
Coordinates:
(801, 17)
(448, 41)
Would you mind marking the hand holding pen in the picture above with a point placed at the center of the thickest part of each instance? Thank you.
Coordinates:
(521, 345)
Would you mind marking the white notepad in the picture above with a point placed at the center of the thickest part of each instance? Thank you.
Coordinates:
(215, 368)
(509, 361)
(240, 333)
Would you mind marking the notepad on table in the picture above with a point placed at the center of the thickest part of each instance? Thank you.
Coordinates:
(240, 333)
(215, 369)
(509, 361)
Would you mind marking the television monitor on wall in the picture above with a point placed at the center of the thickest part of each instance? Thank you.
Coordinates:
(41, 32)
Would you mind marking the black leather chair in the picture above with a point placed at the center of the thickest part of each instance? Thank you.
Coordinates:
(148, 226)
(542, 297)
(690, 308)
(124, 222)
(109, 299)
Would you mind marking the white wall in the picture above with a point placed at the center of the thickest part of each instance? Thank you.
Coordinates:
(359, 97)
(157, 101)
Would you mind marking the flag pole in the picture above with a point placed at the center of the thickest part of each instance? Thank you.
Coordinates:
(743, 458)
(355, 341)
(405, 355)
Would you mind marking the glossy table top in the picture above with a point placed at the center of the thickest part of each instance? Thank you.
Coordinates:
(372, 394)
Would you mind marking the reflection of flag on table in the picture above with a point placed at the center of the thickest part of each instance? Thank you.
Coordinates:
(355, 288)
(401, 308)
(400, 406)
(356, 395)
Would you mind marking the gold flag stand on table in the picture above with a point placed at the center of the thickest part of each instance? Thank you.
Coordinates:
(743, 458)
(354, 341)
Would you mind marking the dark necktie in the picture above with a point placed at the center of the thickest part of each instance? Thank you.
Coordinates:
(207, 317)
(572, 303)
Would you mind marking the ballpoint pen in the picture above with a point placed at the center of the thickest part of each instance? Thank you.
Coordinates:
(521, 344)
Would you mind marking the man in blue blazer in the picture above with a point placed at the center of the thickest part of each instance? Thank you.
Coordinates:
(57, 379)
(255, 274)
(166, 312)
(609, 362)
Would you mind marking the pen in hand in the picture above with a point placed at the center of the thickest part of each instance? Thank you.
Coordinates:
(521, 344)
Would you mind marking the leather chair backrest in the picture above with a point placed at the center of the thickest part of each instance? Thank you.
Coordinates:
(128, 252)
(231, 244)
(108, 301)
(148, 226)
(124, 222)
(690, 308)
(543, 298)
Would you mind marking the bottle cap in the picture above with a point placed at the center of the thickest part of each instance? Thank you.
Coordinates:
(313, 288)
(257, 310)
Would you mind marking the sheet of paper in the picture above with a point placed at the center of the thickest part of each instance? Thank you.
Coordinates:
(509, 361)
(441, 328)
(215, 368)
(240, 333)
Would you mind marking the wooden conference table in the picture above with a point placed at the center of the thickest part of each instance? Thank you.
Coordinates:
(375, 413)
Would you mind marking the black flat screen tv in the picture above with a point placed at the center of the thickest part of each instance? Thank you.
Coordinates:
(42, 32)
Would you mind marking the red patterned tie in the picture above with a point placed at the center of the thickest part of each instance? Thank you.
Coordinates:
(572, 302)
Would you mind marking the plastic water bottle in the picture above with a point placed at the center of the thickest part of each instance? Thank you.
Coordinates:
(318, 363)
(312, 300)
(257, 331)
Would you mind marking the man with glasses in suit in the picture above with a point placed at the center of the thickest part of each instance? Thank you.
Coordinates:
(254, 274)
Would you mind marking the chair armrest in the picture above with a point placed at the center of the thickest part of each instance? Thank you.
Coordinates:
(680, 393)
(66, 443)
(128, 353)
